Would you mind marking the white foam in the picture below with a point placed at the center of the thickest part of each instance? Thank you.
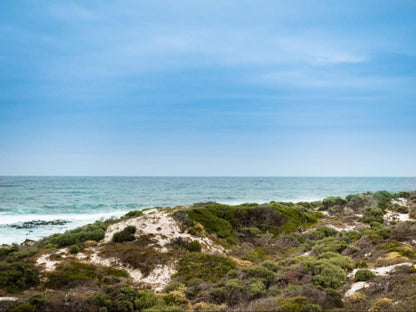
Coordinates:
(13, 219)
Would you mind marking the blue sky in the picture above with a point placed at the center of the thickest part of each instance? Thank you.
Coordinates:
(264, 88)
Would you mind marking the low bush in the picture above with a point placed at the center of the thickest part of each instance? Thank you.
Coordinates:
(331, 202)
(74, 273)
(126, 235)
(324, 231)
(363, 275)
(18, 276)
(401, 209)
(296, 304)
(256, 288)
(373, 214)
(37, 299)
(329, 244)
(330, 275)
(204, 266)
(133, 214)
(256, 255)
(95, 232)
(345, 263)
(24, 308)
(172, 287)
(213, 224)
(74, 249)
(265, 274)
(192, 246)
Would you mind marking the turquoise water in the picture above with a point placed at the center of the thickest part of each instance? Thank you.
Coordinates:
(74, 201)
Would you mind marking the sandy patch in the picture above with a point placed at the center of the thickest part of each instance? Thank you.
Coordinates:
(346, 228)
(155, 222)
(382, 271)
(395, 216)
(400, 201)
(158, 279)
(356, 287)
(163, 227)
(8, 299)
(48, 264)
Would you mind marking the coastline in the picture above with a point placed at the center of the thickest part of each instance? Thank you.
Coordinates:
(256, 253)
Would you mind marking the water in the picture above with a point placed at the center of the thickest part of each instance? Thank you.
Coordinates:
(80, 200)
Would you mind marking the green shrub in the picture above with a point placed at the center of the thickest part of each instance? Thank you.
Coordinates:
(363, 275)
(37, 299)
(71, 274)
(373, 214)
(270, 265)
(256, 254)
(16, 276)
(95, 232)
(163, 308)
(213, 224)
(133, 214)
(383, 198)
(126, 235)
(256, 288)
(325, 231)
(192, 246)
(146, 299)
(401, 209)
(404, 250)
(330, 276)
(298, 217)
(4, 251)
(331, 244)
(172, 287)
(204, 266)
(74, 249)
(297, 304)
(266, 275)
(24, 308)
(25, 252)
(331, 202)
(336, 259)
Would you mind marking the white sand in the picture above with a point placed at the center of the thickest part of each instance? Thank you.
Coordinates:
(395, 216)
(155, 222)
(8, 299)
(382, 271)
(356, 287)
(379, 271)
(164, 228)
(400, 201)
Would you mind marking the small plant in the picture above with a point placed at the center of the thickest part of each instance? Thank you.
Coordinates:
(133, 214)
(126, 235)
(37, 299)
(207, 267)
(74, 249)
(24, 308)
(363, 275)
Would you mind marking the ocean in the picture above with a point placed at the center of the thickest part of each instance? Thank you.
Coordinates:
(34, 207)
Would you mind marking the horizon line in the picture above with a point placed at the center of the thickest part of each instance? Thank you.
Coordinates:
(205, 176)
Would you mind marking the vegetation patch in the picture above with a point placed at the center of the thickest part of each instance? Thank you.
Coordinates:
(15, 277)
(126, 235)
(94, 232)
(139, 254)
(74, 273)
(204, 266)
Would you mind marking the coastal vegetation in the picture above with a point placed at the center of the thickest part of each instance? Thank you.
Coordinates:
(338, 254)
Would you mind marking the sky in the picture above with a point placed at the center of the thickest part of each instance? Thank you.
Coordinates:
(208, 88)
